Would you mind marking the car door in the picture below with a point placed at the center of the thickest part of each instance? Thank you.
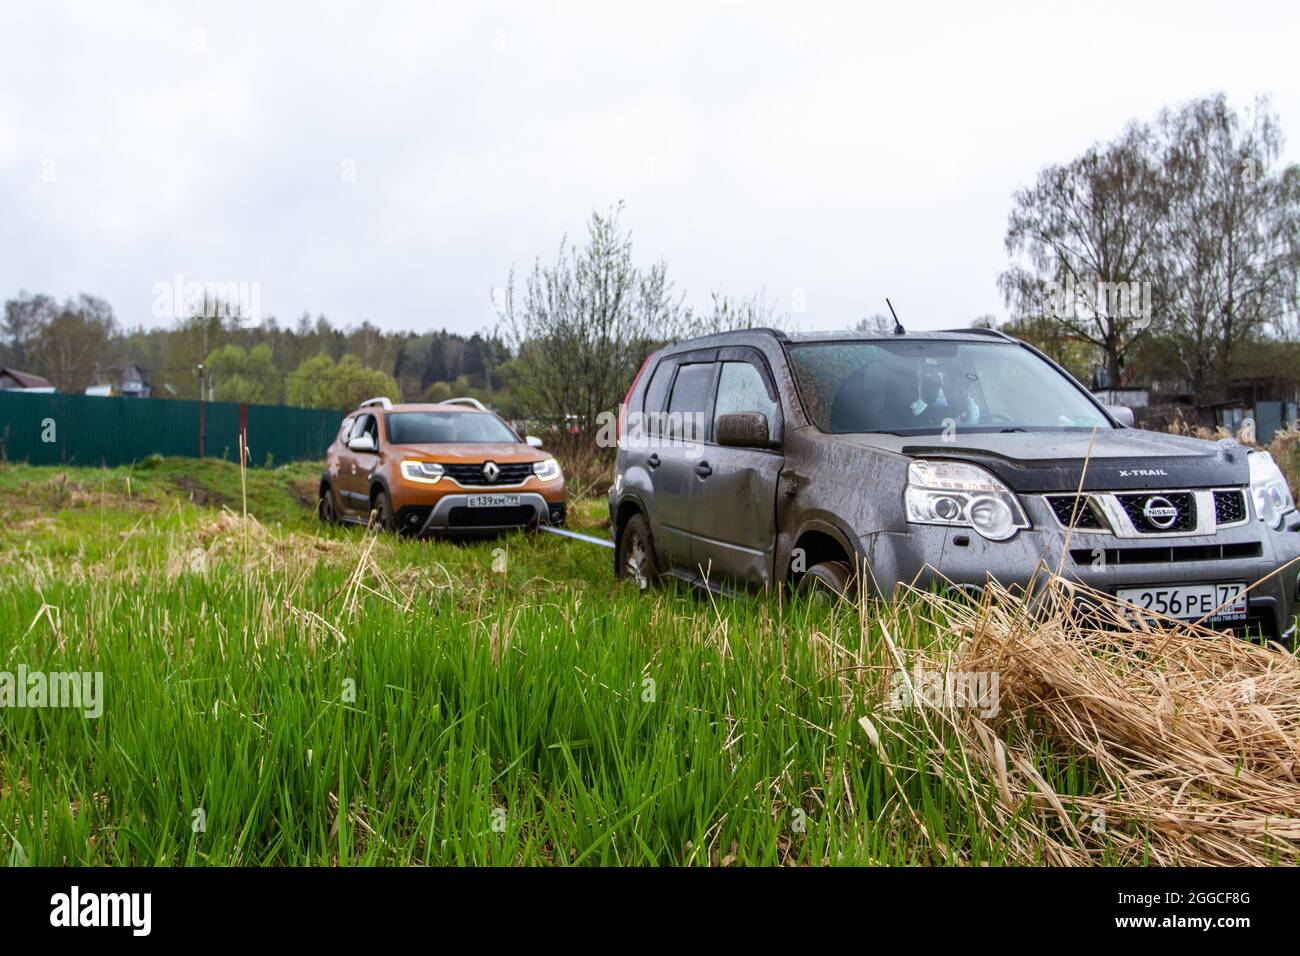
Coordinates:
(339, 462)
(673, 463)
(355, 467)
(733, 497)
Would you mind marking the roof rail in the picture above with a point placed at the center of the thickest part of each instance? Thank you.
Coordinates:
(382, 401)
(472, 402)
(975, 330)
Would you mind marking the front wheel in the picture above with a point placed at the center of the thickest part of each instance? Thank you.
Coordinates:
(325, 509)
(829, 579)
(636, 554)
(381, 512)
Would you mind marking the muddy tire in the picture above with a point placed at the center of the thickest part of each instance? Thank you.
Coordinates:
(325, 508)
(829, 580)
(381, 512)
(636, 554)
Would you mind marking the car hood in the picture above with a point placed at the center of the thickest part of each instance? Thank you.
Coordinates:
(473, 452)
(1119, 459)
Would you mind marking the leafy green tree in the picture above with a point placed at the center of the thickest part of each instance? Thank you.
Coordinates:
(309, 384)
(241, 375)
(438, 392)
(354, 383)
(320, 382)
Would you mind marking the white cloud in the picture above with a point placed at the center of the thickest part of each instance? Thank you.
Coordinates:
(846, 152)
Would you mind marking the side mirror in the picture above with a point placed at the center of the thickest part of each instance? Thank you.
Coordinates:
(1122, 414)
(744, 430)
(533, 441)
(362, 443)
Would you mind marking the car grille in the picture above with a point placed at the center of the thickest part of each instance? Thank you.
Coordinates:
(511, 474)
(1175, 554)
(1063, 506)
(1229, 507)
(508, 517)
(1184, 501)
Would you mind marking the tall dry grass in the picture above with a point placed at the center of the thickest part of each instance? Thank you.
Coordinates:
(1190, 737)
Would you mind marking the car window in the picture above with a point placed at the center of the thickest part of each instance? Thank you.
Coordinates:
(345, 429)
(656, 391)
(433, 428)
(365, 424)
(741, 388)
(688, 405)
(656, 394)
(927, 386)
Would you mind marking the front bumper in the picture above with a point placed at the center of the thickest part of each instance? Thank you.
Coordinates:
(931, 555)
(452, 515)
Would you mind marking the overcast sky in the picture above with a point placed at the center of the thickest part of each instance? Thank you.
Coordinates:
(391, 163)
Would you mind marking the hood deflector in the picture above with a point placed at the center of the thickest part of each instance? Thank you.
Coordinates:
(1223, 468)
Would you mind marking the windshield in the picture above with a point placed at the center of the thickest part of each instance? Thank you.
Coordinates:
(921, 386)
(436, 428)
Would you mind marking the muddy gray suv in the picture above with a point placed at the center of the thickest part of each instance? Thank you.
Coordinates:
(755, 459)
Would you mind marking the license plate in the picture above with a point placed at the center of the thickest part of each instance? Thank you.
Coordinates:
(492, 501)
(1222, 602)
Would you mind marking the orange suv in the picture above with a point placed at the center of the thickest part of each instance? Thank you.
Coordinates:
(450, 468)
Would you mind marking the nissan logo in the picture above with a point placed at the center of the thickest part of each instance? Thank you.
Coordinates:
(491, 470)
(1160, 512)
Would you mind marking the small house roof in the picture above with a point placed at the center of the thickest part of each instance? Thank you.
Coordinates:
(26, 379)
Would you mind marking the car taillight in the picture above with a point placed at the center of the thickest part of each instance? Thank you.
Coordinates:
(622, 408)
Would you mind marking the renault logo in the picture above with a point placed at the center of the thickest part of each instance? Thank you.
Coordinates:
(491, 470)
(1160, 512)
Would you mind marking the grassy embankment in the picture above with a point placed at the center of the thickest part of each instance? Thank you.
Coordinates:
(327, 696)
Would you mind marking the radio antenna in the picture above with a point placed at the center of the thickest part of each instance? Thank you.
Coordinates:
(898, 326)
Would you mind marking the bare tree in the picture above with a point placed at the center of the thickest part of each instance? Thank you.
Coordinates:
(1228, 263)
(877, 322)
(581, 327)
(728, 313)
(73, 345)
(1083, 242)
(20, 330)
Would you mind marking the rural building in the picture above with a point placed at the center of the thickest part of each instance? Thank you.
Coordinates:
(130, 381)
(134, 382)
(12, 380)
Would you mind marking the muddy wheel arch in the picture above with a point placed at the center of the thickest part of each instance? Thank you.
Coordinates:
(820, 539)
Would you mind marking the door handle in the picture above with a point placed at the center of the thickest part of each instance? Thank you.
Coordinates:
(653, 461)
(703, 469)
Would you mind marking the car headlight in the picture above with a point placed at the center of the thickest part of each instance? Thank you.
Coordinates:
(1269, 489)
(960, 495)
(547, 470)
(427, 471)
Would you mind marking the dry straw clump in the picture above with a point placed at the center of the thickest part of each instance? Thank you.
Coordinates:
(242, 538)
(1192, 736)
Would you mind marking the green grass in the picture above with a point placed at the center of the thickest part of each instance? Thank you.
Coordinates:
(539, 714)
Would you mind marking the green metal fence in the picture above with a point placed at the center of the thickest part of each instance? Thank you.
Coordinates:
(46, 429)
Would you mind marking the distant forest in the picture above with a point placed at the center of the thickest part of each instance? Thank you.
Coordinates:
(78, 342)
